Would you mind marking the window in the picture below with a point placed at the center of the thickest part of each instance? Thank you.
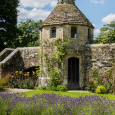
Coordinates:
(89, 33)
(73, 32)
(53, 32)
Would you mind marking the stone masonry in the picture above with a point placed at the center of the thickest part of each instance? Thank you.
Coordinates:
(20, 59)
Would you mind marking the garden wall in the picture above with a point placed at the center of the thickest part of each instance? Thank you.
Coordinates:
(90, 55)
(20, 59)
(102, 55)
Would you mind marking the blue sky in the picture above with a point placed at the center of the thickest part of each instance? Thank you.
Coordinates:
(99, 12)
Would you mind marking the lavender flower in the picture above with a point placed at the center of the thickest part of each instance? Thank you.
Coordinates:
(53, 104)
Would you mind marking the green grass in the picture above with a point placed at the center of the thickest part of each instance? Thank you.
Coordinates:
(71, 94)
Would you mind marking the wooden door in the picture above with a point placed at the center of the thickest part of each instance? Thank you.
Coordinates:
(73, 73)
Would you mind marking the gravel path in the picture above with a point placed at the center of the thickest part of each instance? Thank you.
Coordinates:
(79, 91)
(15, 90)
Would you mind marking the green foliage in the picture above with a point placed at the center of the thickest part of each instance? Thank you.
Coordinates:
(24, 84)
(61, 88)
(96, 77)
(53, 60)
(100, 89)
(92, 79)
(91, 86)
(108, 87)
(8, 21)
(28, 84)
(54, 65)
(42, 88)
(4, 81)
(107, 34)
(23, 80)
(28, 34)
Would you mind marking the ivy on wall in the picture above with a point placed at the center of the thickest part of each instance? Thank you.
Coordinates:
(52, 54)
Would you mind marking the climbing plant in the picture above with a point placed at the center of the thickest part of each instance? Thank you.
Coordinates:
(52, 54)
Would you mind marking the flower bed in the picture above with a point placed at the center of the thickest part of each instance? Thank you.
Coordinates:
(52, 104)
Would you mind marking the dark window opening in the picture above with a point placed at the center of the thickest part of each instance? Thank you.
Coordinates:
(89, 33)
(53, 32)
(73, 32)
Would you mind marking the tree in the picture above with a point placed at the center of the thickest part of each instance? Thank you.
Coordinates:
(8, 21)
(28, 34)
(107, 34)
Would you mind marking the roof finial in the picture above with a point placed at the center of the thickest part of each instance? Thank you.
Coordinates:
(66, 1)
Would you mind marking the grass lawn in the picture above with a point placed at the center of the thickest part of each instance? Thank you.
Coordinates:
(71, 94)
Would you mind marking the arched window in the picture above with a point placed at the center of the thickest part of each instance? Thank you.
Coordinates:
(53, 32)
(89, 33)
(73, 32)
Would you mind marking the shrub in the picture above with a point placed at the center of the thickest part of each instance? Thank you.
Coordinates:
(108, 87)
(42, 88)
(4, 81)
(91, 86)
(28, 84)
(53, 88)
(96, 77)
(91, 79)
(25, 84)
(100, 89)
(61, 88)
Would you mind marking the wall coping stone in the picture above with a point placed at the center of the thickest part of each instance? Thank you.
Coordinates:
(15, 51)
(24, 48)
(6, 49)
(100, 45)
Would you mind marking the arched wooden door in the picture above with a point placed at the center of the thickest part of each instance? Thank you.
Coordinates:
(73, 73)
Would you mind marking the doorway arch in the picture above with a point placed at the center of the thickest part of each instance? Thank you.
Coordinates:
(73, 73)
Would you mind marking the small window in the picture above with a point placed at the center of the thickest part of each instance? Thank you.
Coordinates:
(89, 33)
(53, 32)
(73, 32)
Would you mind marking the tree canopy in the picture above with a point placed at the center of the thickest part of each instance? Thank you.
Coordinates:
(8, 22)
(107, 34)
(27, 34)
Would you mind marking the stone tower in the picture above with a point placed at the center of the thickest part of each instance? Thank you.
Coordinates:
(66, 21)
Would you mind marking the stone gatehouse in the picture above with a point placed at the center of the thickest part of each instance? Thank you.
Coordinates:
(66, 21)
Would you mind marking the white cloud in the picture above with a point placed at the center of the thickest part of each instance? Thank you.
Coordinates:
(34, 14)
(98, 1)
(94, 25)
(97, 31)
(53, 3)
(108, 18)
(37, 3)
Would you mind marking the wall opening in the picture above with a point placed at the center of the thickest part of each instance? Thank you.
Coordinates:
(53, 32)
(73, 73)
(73, 32)
(89, 33)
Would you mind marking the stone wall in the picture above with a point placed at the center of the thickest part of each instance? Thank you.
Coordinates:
(89, 55)
(20, 59)
(102, 55)
(29, 56)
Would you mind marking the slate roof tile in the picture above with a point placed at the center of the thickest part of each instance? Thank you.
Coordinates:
(66, 14)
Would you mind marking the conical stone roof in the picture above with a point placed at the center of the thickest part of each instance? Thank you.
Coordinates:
(66, 14)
